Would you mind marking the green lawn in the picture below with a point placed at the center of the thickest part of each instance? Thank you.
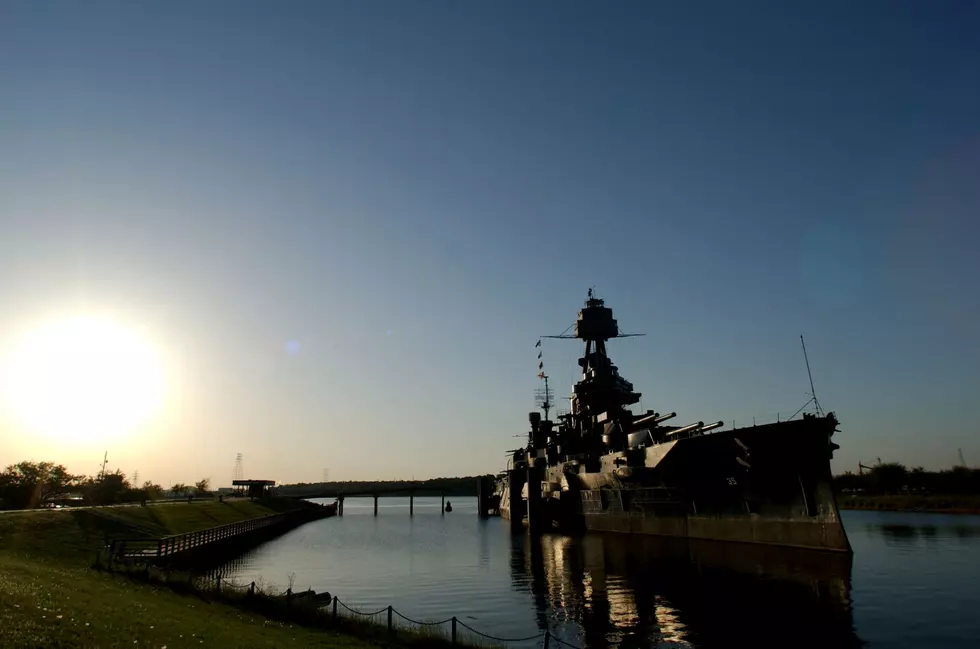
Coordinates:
(51, 597)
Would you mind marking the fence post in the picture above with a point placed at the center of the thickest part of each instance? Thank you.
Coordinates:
(547, 637)
(454, 629)
(389, 617)
(335, 607)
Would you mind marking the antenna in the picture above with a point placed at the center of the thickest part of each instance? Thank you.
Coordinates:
(105, 460)
(812, 392)
(962, 461)
(543, 397)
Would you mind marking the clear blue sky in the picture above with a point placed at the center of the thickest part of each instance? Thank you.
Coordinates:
(415, 191)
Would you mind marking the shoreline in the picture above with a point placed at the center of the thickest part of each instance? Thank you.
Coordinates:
(51, 594)
(934, 504)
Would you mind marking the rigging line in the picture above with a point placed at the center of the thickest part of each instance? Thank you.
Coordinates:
(812, 399)
(562, 334)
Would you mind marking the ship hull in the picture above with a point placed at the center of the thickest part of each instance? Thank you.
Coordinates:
(765, 484)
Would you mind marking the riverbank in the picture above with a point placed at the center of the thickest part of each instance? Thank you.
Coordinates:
(50, 596)
(911, 503)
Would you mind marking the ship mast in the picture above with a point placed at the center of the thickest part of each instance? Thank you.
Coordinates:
(812, 393)
(543, 397)
(600, 398)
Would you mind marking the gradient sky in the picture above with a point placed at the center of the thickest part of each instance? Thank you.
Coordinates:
(345, 224)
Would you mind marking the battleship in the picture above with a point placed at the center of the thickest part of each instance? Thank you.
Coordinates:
(602, 467)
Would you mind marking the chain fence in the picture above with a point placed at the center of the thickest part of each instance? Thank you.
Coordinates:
(452, 629)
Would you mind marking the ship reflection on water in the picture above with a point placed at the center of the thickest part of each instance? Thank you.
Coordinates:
(609, 590)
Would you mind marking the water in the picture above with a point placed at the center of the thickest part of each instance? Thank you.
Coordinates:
(914, 582)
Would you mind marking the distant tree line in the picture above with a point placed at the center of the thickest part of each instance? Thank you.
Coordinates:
(27, 485)
(894, 478)
(465, 486)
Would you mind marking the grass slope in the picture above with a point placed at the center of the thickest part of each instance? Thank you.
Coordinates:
(50, 597)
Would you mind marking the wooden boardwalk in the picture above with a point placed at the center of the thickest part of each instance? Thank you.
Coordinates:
(167, 547)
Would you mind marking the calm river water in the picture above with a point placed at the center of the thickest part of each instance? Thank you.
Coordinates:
(914, 580)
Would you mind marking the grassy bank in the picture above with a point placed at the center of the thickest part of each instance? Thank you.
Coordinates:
(50, 596)
(911, 503)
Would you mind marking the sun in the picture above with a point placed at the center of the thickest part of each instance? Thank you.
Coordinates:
(82, 379)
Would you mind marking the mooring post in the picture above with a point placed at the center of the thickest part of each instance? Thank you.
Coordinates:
(454, 629)
(390, 609)
(335, 607)
(375, 505)
(340, 505)
(547, 637)
(411, 504)
(443, 506)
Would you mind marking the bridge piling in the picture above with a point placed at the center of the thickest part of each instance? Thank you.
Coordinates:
(442, 508)
(375, 504)
(411, 504)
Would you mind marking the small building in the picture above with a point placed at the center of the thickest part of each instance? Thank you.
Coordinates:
(254, 488)
(225, 491)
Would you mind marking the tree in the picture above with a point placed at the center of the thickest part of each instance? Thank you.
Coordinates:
(151, 491)
(111, 488)
(888, 478)
(203, 486)
(179, 489)
(29, 484)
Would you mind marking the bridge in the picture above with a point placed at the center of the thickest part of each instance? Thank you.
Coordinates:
(379, 492)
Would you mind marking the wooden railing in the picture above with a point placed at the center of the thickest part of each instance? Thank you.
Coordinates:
(169, 546)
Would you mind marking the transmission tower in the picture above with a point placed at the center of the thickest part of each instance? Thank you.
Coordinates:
(136, 478)
(326, 472)
(239, 473)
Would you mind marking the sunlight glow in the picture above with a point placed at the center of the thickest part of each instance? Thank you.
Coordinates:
(81, 379)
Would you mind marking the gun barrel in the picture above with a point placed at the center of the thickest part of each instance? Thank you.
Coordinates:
(686, 429)
(653, 419)
(717, 424)
(669, 415)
